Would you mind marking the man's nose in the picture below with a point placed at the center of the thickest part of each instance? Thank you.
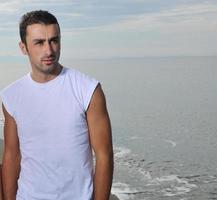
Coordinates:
(48, 49)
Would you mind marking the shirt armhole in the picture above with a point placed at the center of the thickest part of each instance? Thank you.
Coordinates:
(91, 90)
(5, 103)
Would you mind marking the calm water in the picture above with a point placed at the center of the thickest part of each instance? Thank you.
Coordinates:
(164, 118)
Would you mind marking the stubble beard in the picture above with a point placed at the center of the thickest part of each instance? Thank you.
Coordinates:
(47, 69)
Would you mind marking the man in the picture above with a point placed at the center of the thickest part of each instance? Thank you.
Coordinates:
(54, 117)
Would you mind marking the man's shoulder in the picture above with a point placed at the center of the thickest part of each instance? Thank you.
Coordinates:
(83, 86)
(73, 71)
(15, 85)
(79, 76)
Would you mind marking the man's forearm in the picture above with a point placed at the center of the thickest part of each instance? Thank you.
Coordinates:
(103, 177)
(10, 174)
(1, 193)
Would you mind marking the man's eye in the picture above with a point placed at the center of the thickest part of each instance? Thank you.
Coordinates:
(55, 41)
(39, 43)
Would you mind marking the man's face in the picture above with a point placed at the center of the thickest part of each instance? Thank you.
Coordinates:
(42, 46)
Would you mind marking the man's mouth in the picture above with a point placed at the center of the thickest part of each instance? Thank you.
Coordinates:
(48, 61)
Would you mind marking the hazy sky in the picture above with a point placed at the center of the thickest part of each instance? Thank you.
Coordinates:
(120, 28)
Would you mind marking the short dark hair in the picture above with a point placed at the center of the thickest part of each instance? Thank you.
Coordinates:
(35, 17)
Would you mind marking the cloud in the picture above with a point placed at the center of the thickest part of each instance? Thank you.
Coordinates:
(9, 7)
(10, 54)
(180, 30)
(12, 6)
(182, 18)
(9, 26)
(126, 27)
(73, 15)
(192, 16)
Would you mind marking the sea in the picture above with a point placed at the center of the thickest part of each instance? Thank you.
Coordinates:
(163, 113)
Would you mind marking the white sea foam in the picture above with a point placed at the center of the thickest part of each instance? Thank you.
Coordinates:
(146, 175)
(120, 152)
(134, 138)
(177, 186)
(122, 190)
(132, 162)
(167, 185)
(173, 143)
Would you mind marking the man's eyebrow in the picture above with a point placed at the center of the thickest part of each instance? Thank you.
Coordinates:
(54, 38)
(38, 40)
(50, 39)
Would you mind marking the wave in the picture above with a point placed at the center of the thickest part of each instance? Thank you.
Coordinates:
(122, 190)
(172, 185)
(173, 143)
(121, 152)
(153, 178)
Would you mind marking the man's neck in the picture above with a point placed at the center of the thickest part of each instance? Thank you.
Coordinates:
(42, 77)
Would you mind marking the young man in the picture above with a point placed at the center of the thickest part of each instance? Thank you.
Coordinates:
(54, 117)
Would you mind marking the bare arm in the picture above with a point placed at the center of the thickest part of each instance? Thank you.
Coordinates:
(1, 193)
(11, 157)
(101, 141)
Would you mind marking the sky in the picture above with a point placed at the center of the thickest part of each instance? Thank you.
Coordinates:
(98, 29)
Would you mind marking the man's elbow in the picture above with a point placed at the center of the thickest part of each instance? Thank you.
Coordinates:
(105, 156)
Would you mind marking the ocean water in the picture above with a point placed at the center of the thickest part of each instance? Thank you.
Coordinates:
(164, 121)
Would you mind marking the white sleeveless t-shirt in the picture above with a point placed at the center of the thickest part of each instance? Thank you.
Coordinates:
(56, 156)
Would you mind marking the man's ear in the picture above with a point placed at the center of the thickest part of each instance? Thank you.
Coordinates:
(23, 48)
